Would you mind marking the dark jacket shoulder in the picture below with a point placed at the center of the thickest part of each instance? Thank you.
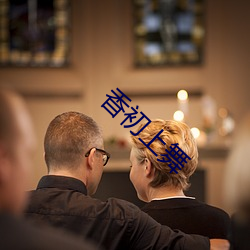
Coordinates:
(190, 216)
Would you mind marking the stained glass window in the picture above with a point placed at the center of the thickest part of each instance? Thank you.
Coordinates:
(168, 32)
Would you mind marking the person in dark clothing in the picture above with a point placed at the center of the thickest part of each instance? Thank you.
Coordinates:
(190, 215)
(75, 158)
(16, 147)
(156, 182)
(17, 234)
(240, 221)
(237, 186)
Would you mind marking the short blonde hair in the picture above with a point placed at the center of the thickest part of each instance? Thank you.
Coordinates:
(173, 132)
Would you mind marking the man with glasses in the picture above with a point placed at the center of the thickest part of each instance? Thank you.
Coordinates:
(75, 158)
(17, 144)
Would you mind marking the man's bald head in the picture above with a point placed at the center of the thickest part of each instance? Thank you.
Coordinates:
(15, 120)
(8, 128)
(67, 139)
(16, 148)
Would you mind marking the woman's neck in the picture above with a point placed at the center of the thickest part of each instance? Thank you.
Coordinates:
(164, 192)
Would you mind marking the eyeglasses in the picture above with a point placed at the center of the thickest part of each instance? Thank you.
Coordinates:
(105, 155)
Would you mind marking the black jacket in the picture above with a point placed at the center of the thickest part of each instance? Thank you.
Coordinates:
(115, 224)
(190, 216)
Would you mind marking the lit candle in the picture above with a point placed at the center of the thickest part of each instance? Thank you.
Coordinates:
(182, 97)
(199, 136)
(195, 132)
(178, 116)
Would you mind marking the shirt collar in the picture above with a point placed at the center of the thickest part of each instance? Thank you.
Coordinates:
(62, 182)
(173, 197)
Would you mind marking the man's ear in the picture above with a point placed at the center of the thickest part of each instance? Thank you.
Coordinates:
(149, 170)
(44, 155)
(91, 159)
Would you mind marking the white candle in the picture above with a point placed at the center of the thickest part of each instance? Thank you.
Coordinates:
(182, 97)
(178, 116)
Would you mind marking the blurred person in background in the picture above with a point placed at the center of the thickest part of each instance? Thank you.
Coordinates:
(163, 189)
(75, 158)
(17, 145)
(237, 186)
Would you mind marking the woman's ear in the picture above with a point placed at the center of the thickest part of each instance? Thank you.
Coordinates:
(148, 168)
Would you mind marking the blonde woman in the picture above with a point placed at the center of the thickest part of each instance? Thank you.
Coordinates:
(163, 189)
